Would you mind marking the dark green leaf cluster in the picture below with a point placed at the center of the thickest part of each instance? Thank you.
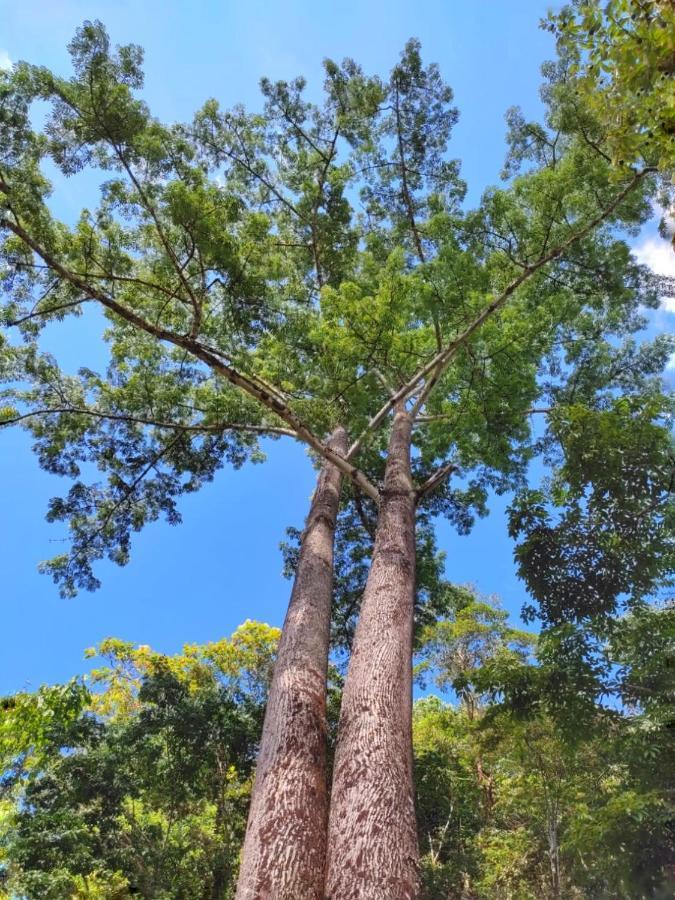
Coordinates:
(602, 533)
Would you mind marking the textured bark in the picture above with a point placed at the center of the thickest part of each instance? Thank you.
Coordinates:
(284, 853)
(372, 837)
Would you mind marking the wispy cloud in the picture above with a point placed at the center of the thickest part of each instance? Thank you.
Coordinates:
(5, 61)
(659, 255)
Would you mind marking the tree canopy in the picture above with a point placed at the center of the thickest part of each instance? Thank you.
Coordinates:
(277, 272)
(311, 269)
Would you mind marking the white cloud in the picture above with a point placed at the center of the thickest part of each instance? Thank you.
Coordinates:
(659, 255)
(5, 61)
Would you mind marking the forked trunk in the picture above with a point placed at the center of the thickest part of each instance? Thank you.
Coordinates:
(372, 837)
(284, 853)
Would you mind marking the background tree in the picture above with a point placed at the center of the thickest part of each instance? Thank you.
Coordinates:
(581, 794)
(136, 780)
(622, 55)
(138, 786)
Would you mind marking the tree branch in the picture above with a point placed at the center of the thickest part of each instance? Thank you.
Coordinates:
(383, 381)
(140, 420)
(45, 312)
(440, 361)
(410, 206)
(437, 478)
(441, 417)
(365, 521)
(128, 494)
(267, 397)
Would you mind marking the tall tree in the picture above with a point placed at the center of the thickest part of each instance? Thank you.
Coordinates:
(177, 258)
(531, 269)
(285, 849)
(291, 272)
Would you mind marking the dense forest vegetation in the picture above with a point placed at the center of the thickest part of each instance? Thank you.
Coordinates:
(136, 781)
(311, 271)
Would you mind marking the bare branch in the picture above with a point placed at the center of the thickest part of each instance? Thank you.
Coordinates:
(384, 382)
(365, 521)
(438, 477)
(442, 417)
(45, 312)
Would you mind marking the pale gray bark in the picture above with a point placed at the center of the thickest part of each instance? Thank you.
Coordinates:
(285, 847)
(372, 838)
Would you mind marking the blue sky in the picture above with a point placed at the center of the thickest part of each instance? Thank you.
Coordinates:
(198, 581)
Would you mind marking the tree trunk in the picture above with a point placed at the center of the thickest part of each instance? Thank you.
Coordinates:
(372, 836)
(284, 853)
(554, 857)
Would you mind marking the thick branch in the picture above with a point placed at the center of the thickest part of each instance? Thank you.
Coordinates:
(270, 399)
(437, 478)
(440, 361)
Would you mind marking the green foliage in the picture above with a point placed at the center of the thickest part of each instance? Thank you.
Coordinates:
(279, 272)
(473, 634)
(242, 663)
(539, 794)
(603, 527)
(622, 55)
(139, 787)
(33, 725)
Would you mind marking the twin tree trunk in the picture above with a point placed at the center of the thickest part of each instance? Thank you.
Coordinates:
(372, 837)
(284, 852)
(371, 852)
